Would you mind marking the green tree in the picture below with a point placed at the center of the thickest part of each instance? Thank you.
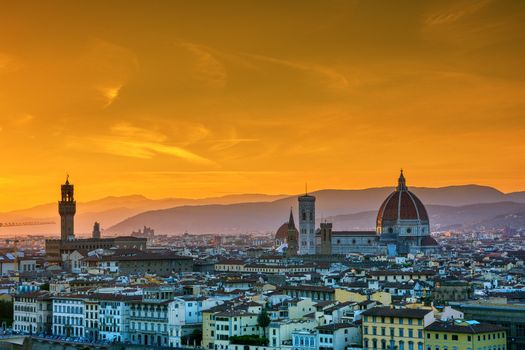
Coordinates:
(263, 320)
(6, 312)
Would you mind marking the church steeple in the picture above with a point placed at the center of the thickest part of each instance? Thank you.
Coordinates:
(401, 182)
(291, 223)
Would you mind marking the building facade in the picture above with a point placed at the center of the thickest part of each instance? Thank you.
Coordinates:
(307, 225)
(56, 249)
(390, 328)
(464, 335)
(32, 312)
(402, 227)
(68, 316)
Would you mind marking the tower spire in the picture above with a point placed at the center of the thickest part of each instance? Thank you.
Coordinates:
(291, 223)
(401, 182)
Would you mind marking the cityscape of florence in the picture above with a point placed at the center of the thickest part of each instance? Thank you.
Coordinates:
(262, 175)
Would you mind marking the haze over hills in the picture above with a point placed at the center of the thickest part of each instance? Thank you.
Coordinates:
(455, 206)
(111, 210)
(348, 209)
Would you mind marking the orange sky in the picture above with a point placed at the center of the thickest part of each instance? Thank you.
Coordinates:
(204, 98)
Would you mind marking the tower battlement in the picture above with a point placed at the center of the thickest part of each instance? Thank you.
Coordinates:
(67, 207)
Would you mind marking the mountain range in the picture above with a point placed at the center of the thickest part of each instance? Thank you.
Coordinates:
(464, 206)
(110, 210)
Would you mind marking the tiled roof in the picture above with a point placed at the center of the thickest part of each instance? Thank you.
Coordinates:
(392, 312)
(464, 327)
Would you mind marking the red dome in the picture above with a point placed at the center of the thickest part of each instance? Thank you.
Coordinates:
(429, 241)
(282, 232)
(402, 205)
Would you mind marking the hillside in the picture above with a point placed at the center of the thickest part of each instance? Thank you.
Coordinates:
(348, 209)
(255, 212)
(111, 210)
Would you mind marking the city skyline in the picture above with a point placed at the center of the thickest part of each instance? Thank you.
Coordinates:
(208, 99)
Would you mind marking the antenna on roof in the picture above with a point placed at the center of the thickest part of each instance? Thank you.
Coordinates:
(306, 188)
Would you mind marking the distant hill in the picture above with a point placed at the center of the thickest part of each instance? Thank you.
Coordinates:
(256, 212)
(111, 210)
(455, 206)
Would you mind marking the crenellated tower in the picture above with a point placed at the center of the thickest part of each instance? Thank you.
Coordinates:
(67, 208)
(96, 230)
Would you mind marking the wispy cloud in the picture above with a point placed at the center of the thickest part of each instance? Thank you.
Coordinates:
(456, 12)
(111, 65)
(110, 93)
(214, 172)
(223, 144)
(131, 141)
(210, 70)
(211, 65)
(330, 77)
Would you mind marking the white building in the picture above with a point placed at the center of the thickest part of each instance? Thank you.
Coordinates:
(304, 340)
(68, 316)
(280, 332)
(185, 315)
(32, 312)
(234, 323)
(91, 319)
(338, 336)
(114, 316)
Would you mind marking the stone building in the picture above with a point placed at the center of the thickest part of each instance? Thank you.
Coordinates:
(67, 244)
(402, 227)
(306, 224)
(445, 291)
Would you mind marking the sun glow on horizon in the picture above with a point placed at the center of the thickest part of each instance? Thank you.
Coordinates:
(196, 100)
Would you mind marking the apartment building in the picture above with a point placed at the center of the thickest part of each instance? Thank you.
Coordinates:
(388, 328)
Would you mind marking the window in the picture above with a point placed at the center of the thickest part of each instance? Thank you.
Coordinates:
(454, 337)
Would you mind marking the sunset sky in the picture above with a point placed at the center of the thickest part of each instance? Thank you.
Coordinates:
(207, 98)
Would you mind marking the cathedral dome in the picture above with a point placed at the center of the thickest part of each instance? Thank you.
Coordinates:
(401, 207)
(429, 241)
(282, 233)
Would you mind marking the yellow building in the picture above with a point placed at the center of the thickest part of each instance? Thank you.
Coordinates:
(390, 328)
(208, 325)
(465, 335)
